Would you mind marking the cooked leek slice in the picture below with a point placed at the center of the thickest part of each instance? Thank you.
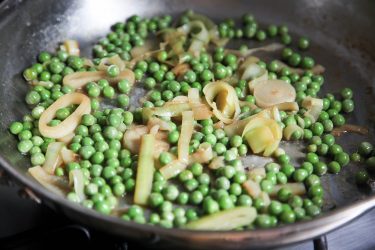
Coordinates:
(172, 169)
(187, 128)
(314, 107)
(55, 184)
(290, 129)
(262, 135)
(272, 92)
(225, 220)
(223, 99)
(145, 170)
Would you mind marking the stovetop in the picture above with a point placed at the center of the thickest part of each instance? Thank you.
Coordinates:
(24, 224)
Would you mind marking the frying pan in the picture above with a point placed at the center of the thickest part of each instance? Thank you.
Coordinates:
(343, 41)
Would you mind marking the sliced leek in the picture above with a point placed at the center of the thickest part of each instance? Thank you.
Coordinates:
(223, 99)
(145, 170)
(272, 92)
(225, 220)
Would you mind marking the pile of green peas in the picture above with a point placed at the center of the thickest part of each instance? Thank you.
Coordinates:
(110, 169)
(365, 154)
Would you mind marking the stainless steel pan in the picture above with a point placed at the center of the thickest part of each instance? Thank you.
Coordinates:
(343, 41)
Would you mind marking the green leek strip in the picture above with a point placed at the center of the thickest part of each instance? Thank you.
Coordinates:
(172, 169)
(294, 188)
(187, 128)
(225, 220)
(55, 184)
(145, 170)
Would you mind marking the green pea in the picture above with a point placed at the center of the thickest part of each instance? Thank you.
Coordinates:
(365, 149)
(303, 43)
(210, 206)
(362, 177)
(288, 216)
(347, 93)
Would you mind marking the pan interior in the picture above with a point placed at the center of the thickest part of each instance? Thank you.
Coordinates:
(343, 45)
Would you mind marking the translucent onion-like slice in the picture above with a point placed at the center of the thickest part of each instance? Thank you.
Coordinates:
(66, 139)
(55, 184)
(145, 170)
(314, 107)
(166, 111)
(295, 188)
(225, 220)
(265, 198)
(237, 127)
(290, 129)
(77, 180)
(200, 111)
(67, 126)
(223, 99)
(172, 169)
(193, 96)
(187, 128)
(316, 70)
(114, 60)
(79, 79)
(71, 47)
(68, 155)
(203, 155)
(132, 137)
(254, 73)
(272, 92)
(53, 157)
(257, 174)
(163, 125)
(267, 48)
(160, 146)
(252, 188)
(217, 162)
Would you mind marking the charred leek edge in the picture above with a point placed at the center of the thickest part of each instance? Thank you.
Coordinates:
(79, 79)
(314, 107)
(225, 220)
(77, 180)
(67, 126)
(55, 184)
(145, 170)
(53, 157)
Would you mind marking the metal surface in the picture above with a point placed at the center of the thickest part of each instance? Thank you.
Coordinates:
(342, 41)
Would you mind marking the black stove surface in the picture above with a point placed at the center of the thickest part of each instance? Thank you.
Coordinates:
(26, 225)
